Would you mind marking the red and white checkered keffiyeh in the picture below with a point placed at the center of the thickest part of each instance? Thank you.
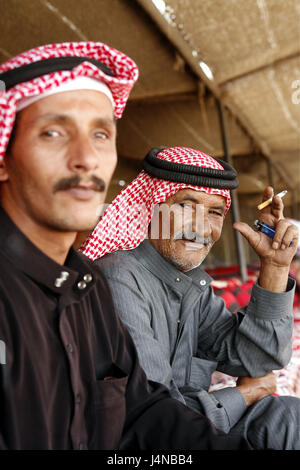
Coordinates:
(124, 224)
(124, 69)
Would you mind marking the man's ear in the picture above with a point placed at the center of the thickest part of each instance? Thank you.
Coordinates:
(3, 171)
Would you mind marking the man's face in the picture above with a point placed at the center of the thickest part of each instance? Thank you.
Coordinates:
(61, 161)
(194, 224)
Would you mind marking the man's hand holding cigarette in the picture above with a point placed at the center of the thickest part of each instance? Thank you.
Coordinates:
(275, 254)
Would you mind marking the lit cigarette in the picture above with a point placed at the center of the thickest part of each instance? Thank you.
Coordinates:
(268, 201)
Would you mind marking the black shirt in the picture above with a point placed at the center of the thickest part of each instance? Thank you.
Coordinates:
(69, 373)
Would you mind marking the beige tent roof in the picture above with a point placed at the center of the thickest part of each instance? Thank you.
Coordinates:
(252, 48)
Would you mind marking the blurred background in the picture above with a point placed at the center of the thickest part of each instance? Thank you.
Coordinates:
(219, 76)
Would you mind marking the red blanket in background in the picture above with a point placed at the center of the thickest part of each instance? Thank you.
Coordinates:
(227, 283)
(236, 294)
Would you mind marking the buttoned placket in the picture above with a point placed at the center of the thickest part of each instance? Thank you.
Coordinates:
(182, 283)
(78, 430)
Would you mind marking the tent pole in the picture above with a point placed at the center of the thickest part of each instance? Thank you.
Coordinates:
(234, 199)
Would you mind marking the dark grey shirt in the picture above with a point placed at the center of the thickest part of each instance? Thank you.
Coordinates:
(183, 332)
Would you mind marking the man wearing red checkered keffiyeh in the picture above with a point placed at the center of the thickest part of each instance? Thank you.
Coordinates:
(150, 244)
(70, 377)
(125, 223)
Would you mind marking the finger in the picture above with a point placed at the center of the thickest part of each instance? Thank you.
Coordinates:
(268, 193)
(277, 207)
(252, 236)
(290, 238)
(280, 231)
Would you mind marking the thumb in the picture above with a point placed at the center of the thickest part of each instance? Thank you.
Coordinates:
(251, 235)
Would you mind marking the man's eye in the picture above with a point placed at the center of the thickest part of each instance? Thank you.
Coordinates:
(187, 208)
(50, 133)
(101, 135)
(216, 213)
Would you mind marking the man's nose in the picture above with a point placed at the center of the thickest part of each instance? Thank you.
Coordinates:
(207, 227)
(82, 157)
(201, 222)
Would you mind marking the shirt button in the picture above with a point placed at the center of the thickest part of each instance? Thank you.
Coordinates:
(58, 282)
(64, 275)
(81, 285)
(87, 277)
(202, 282)
(177, 279)
(70, 348)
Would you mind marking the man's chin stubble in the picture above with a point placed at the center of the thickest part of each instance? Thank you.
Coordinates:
(65, 225)
(184, 266)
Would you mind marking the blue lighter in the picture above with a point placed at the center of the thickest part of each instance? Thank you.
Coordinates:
(264, 228)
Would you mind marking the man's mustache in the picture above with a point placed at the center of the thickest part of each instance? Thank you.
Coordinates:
(192, 236)
(68, 183)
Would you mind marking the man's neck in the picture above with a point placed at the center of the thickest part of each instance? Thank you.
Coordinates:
(53, 243)
(56, 245)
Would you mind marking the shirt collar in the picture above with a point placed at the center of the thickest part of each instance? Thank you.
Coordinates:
(167, 272)
(75, 275)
